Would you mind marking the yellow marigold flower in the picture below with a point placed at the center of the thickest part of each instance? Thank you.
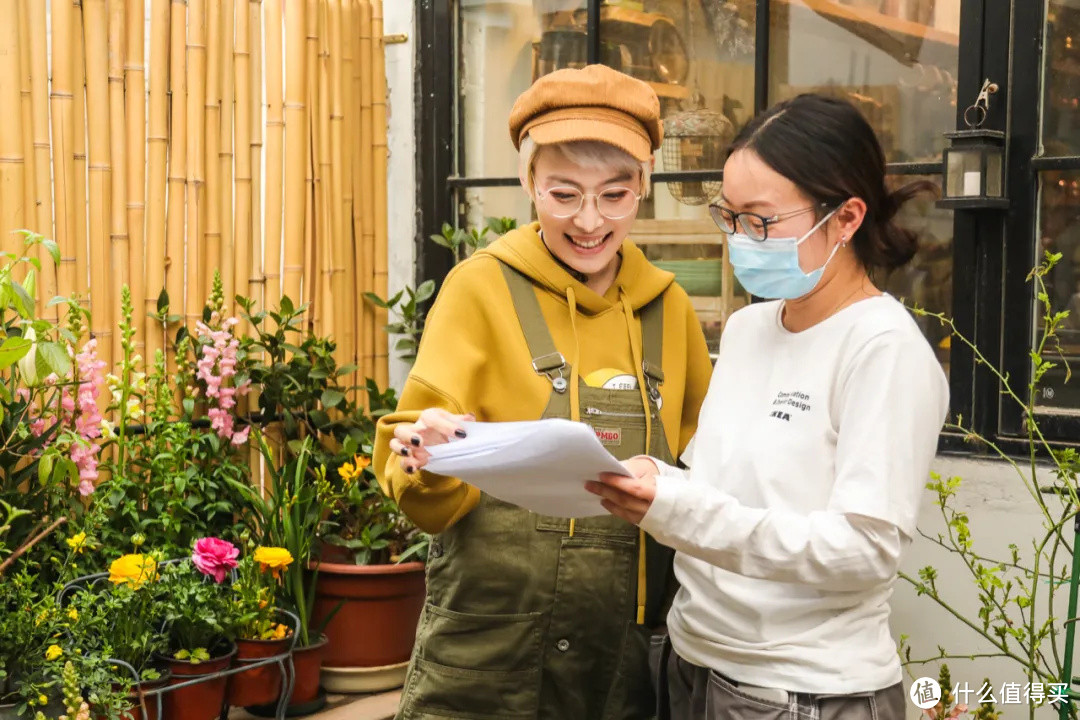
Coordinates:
(133, 569)
(73, 614)
(273, 558)
(77, 542)
(53, 652)
(42, 700)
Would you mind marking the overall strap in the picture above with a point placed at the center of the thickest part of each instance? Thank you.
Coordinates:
(652, 347)
(546, 359)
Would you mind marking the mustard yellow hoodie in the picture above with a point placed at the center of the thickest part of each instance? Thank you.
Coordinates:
(473, 356)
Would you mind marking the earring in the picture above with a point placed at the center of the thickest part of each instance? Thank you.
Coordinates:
(843, 240)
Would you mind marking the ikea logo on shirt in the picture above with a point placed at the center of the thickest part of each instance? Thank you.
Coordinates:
(789, 402)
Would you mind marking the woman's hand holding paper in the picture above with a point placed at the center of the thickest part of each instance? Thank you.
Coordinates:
(628, 497)
(434, 427)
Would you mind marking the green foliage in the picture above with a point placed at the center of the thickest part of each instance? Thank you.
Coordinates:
(1015, 595)
(199, 613)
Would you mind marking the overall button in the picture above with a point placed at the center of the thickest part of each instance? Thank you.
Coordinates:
(435, 550)
(563, 645)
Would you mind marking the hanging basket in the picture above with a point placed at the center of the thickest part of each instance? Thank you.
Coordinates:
(695, 139)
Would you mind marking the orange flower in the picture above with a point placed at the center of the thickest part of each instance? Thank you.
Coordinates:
(274, 559)
(133, 569)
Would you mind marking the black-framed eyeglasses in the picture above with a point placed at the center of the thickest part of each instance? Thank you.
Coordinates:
(755, 226)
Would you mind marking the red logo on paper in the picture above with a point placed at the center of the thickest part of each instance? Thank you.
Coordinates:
(608, 436)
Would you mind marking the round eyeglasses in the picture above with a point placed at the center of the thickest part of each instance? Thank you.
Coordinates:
(755, 226)
(614, 203)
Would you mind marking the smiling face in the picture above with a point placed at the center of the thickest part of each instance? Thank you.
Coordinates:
(586, 241)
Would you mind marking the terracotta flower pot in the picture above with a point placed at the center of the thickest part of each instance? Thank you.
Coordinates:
(260, 685)
(379, 608)
(307, 697)
(203, 700)
(135, 712)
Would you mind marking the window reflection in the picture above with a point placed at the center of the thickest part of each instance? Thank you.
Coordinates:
(1061, 105)
(1059, 232)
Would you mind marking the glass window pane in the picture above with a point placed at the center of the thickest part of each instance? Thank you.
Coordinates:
(1059, 231)
(1061, 104)
(927, 280)
(699, 57)
(481, 203)
(504, 46)
(684, 240)
(894, 59)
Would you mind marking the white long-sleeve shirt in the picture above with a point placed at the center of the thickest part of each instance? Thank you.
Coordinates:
(812, 451)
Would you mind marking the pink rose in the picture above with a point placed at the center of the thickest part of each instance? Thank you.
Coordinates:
(214, 557)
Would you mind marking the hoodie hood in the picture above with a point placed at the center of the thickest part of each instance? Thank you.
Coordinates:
(639, 281)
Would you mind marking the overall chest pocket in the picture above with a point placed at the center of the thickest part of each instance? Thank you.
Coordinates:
(475, 666)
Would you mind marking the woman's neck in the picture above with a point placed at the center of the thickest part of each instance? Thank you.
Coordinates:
(847, 286)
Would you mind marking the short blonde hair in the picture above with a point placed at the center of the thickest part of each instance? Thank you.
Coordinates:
(587, 154)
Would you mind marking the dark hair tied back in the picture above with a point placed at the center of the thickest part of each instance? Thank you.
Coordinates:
(827, 148)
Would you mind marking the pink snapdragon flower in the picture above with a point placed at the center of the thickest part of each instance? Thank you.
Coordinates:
(216, 367)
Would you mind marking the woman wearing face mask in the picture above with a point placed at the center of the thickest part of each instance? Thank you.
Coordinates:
(814, 442)
(530, 616)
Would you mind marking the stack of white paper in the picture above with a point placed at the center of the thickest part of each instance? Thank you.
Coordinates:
(540, 465)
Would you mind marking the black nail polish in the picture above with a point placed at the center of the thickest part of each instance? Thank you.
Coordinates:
(460, 433)
(409, 469)
(405, 451)
(415, 440)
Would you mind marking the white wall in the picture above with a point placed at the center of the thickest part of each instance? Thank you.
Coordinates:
(399, 17)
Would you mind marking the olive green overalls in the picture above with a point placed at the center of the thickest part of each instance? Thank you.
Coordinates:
(530, 616)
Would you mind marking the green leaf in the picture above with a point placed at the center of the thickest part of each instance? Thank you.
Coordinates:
(332, 398)
(286, 305)
(12, 350)
(56, 300)
(24, 303)
(54, 357)
(347, 370)
(440, 240)
(45, 469)
(375, 300)
(54, 250)
(425, 291)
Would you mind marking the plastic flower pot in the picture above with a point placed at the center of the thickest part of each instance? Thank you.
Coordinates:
(261, 685)
(375, 611)
(204, 699)
(149, 701)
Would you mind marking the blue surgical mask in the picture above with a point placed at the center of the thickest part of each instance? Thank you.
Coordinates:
(770, 268)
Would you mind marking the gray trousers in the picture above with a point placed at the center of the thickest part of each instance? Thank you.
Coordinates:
(688, 692)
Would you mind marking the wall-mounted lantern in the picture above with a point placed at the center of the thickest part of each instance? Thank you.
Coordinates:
(974, 161)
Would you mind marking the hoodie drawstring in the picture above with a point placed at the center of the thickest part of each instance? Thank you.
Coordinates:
(639, 371)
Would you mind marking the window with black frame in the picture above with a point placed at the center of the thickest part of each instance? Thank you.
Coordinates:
(894, 59)
(1058, 168)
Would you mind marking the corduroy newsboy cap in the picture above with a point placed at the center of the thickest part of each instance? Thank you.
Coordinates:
(591, 103)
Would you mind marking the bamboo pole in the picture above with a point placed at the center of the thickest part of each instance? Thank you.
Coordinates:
(378, 106)
(26, 111)
(339, 239)
(158, 146)
(135, 80)
(324, 188)
(241, 271)
(39, 76)
(366, 260)
(63, 140)
(174, 262)
(196, 165)
(215, 187)
(12, 160)
(311, 135)
(275, 138)
(227, 256)
(80, 246)
(119, 249)
(295, 144)
(99, 178)
(255, 286)
(350, 134)
(256, 280)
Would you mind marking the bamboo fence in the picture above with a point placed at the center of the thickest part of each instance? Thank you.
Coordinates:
(159, 141)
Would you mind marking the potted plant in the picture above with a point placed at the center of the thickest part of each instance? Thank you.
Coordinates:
(370, 584)
(260, 632)
(289, 520)
(121, 622)
(198, 615)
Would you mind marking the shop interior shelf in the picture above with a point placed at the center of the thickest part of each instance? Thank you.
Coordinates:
(860, 20)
